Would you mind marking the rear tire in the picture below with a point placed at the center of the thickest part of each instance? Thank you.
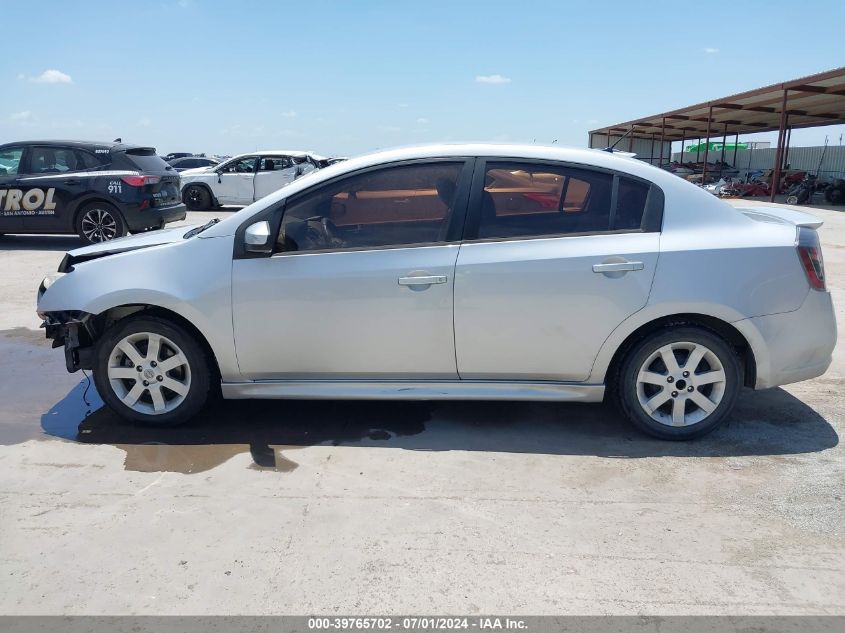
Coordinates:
(834, 194)
(99, 222)
(678, 383)
(150, 370)
(197, 198)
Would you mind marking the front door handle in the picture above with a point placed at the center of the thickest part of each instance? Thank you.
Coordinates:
(426, 280)
(617, 267)
(72, 181)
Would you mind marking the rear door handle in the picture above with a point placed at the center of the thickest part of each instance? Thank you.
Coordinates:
(72, 181)
(617, 267)
(422, 281)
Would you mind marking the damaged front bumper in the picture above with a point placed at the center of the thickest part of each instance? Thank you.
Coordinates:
(74, 331)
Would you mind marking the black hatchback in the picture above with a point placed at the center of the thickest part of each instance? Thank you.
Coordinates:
(98, 190)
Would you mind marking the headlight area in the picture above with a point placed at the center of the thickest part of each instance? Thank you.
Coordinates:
(76, 332)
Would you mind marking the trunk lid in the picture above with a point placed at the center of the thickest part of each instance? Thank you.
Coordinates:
(781, 215)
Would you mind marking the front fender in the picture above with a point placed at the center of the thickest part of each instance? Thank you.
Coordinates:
(191, 278)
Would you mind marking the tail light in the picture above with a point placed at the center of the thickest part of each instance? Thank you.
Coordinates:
(140, 181)
(810, 254)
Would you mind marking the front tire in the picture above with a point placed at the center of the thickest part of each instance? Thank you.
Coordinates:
(150, 370)
(99, 222)
(679, 383)
(197, 198)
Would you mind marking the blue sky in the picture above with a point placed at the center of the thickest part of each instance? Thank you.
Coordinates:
(342, 78)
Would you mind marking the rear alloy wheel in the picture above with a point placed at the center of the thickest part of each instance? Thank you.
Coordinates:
(197, 198)
(99, 222)
(150, 370)
(679, 384)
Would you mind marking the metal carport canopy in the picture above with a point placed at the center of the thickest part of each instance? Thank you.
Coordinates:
(811, 101)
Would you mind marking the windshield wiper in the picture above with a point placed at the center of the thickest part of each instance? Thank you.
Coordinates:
(200, 229)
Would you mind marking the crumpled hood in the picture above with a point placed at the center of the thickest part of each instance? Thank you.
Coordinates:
(123, 244)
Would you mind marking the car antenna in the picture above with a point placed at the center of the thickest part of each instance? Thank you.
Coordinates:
(619, 140)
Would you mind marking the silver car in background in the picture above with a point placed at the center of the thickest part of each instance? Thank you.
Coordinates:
(457, 272)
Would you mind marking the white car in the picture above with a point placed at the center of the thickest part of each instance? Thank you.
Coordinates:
(244, 179)
(457, 272)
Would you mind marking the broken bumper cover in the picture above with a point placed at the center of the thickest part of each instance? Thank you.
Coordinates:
(72, 330)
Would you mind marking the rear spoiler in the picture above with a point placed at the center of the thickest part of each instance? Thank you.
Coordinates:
(781, 215)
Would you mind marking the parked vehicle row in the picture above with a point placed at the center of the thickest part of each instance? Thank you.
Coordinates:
(456, 272)
(102, 191)
(98, 190)
(244, 179)
(193, 162)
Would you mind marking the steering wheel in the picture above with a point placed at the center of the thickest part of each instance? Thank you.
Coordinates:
(325, 233)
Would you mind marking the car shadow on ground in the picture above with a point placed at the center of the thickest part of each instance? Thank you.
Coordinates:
(58, 243)
(771, 422)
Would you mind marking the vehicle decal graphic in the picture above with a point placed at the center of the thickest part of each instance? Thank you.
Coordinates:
(30, 202)
(84, 174)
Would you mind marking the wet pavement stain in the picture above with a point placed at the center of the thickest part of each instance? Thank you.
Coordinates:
(263, 429)
(192, 459)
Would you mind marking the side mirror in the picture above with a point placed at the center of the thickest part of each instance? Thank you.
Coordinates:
(257, 238)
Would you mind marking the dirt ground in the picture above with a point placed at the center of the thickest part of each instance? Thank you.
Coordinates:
(375, 508)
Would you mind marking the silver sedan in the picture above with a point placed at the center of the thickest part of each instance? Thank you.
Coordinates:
(457, 272)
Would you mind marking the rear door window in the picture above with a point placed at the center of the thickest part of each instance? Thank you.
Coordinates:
(274, 163)
(87, 160)
(54, 160)
(535, 200)
(524, 200)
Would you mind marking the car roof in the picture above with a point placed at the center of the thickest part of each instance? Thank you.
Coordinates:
(275, 152)
(72, 143)
(589, 158)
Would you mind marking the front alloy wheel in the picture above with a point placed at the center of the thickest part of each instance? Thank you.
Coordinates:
(149, 373)
(679, 383)
(151, 370)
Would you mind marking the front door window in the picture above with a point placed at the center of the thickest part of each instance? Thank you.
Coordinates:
(397, 206)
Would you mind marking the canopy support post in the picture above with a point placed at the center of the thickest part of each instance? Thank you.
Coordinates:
(775, 184)
(707, 146)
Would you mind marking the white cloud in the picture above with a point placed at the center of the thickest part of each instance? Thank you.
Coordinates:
(144, 122)
(403, 105)
(288, 113)
(492, 79)
(21, 117)
(21, 76)
(422, 120)
(52, 77)
(711, 51)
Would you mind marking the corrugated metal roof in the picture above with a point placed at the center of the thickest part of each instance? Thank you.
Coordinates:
(811, 101)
